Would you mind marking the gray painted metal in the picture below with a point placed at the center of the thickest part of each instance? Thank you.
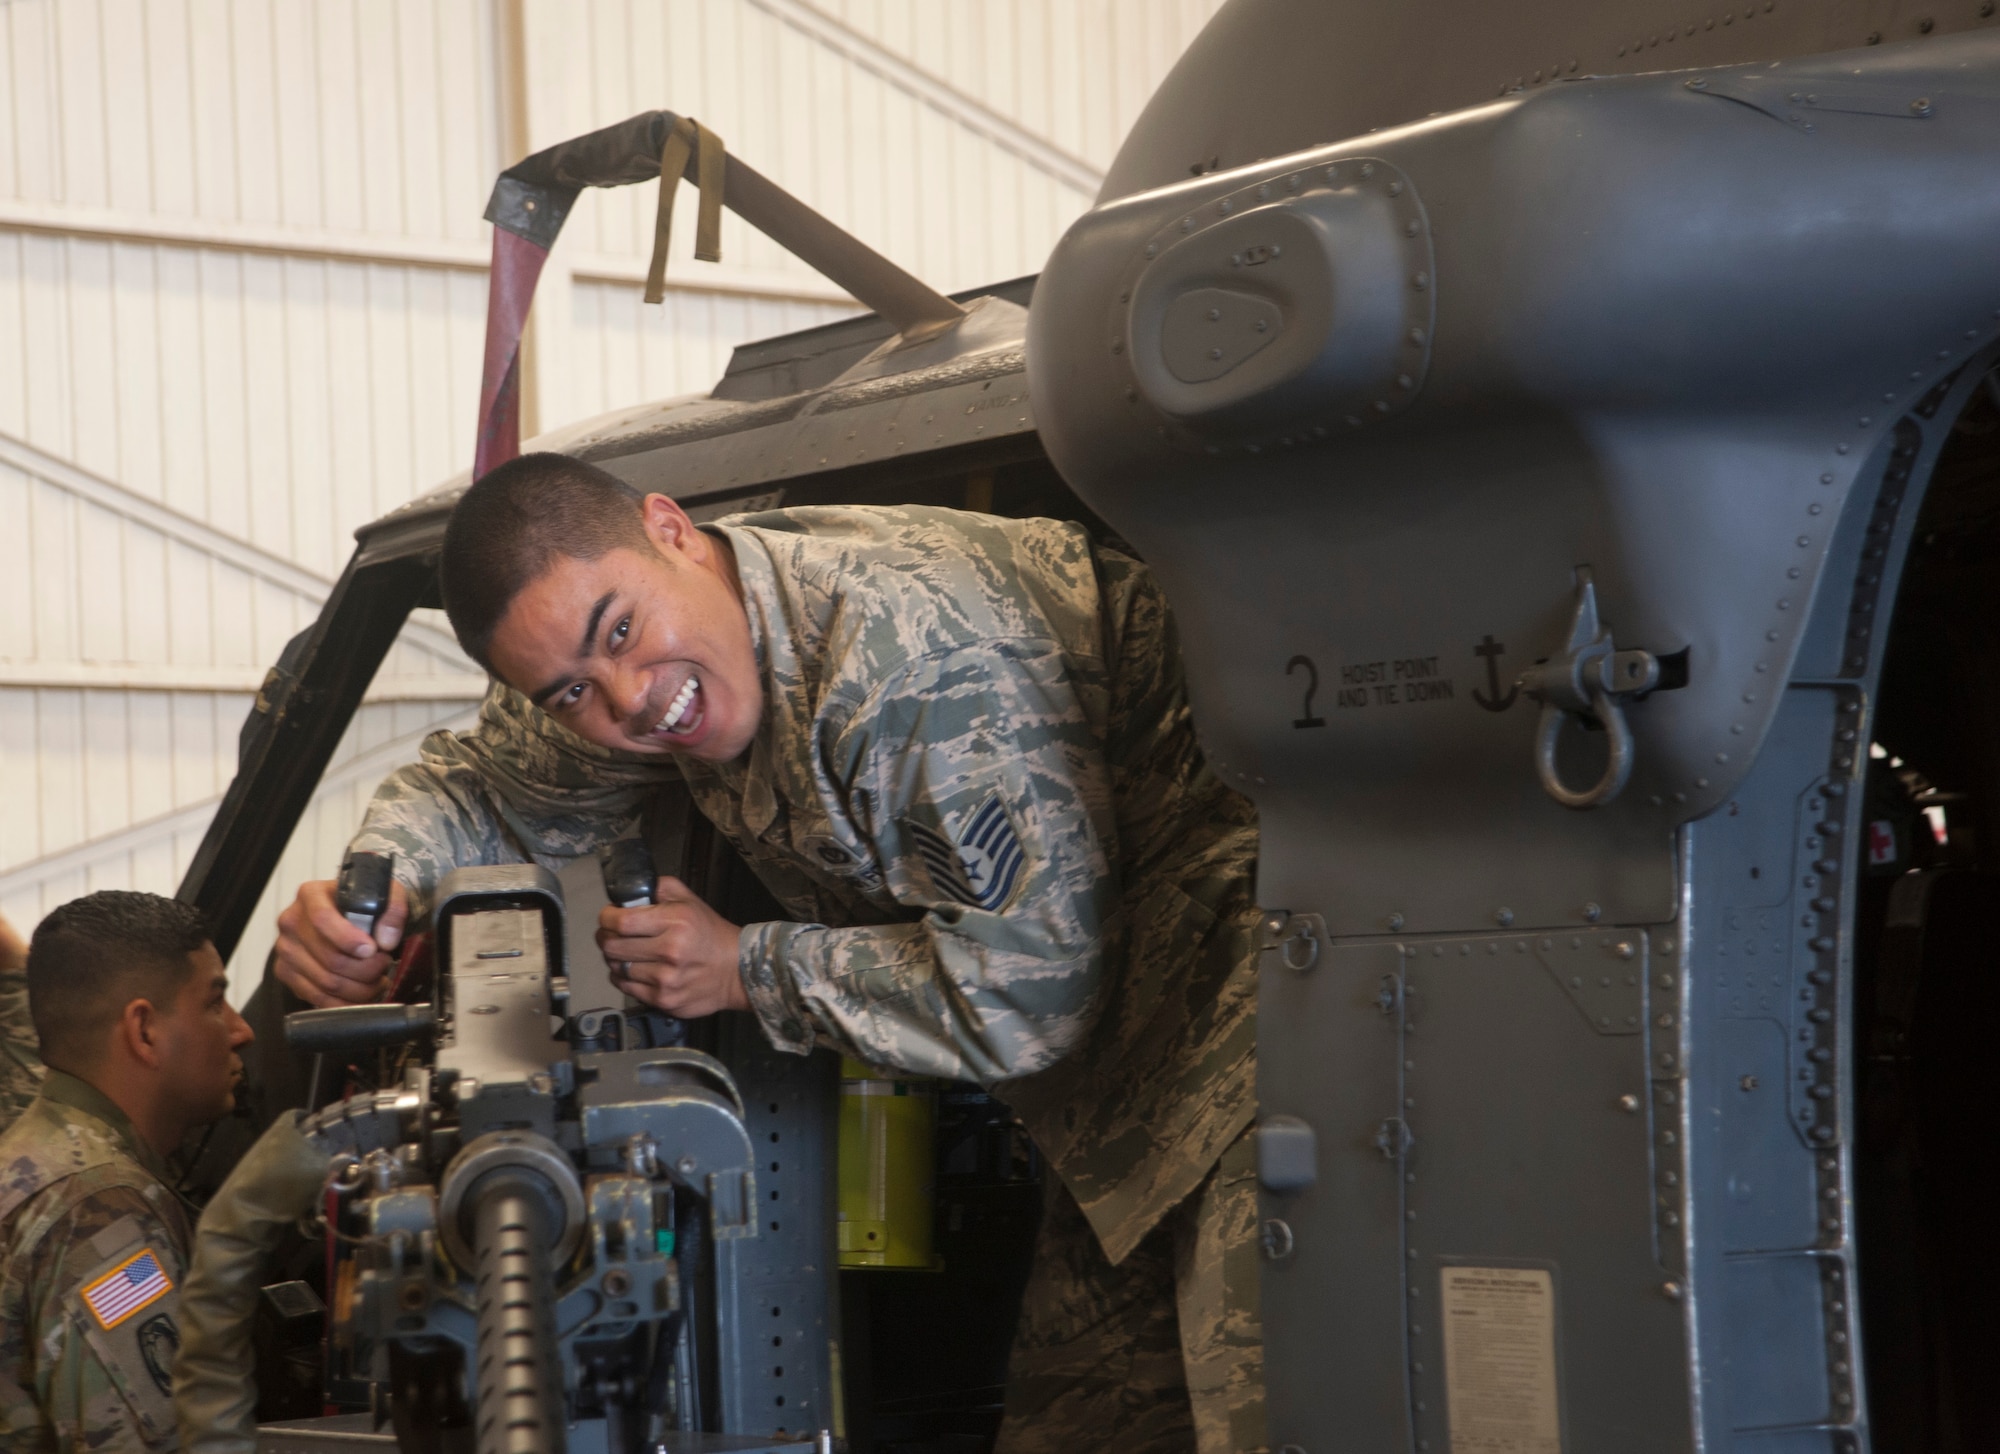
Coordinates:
(1700, 335)
(1268, 77)
(1633, 345)
(590, 987)
(778, 1317)
(777, 1313)
(970, 398)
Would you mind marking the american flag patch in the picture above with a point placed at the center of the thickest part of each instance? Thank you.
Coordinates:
(979, 870)
(137, 1282)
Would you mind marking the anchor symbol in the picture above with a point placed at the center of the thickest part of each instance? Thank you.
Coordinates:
(1493, 650)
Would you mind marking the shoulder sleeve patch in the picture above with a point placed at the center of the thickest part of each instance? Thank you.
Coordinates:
(159, 1341)
(127, 1289)
(132, 1385)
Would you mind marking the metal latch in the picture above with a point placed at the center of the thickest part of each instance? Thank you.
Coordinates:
(1589, 677)
(1389, 998)
(1295, 937)
(1393, 1138)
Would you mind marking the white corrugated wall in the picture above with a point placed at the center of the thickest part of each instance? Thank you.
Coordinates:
(242, 293)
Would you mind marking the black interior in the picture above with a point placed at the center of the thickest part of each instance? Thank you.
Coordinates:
(1927, 984)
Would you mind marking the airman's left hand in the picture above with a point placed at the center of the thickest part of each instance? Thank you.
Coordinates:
(676, 955)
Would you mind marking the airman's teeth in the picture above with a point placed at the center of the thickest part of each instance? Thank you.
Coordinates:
(677, 708)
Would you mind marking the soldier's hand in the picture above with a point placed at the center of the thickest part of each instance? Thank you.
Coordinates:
(325, 960)
(13, 953)
(676, 955)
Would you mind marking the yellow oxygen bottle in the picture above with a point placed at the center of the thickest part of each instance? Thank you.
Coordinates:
(888, 1151)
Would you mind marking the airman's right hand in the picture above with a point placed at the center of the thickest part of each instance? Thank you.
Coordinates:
(325, 960)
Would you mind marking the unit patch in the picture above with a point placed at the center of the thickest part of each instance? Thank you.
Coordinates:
(134, 1284)
(159, 1341)
(982, 867)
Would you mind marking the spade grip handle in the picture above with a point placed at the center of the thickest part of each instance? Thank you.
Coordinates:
(342, 1028)
(362, 891)
(629, 878)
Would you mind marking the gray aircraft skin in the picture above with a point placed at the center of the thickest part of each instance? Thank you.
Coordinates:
(1640, 376)
(1535, 474)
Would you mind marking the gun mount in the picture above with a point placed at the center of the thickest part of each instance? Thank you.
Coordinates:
(523, 1231)
(538, 1232)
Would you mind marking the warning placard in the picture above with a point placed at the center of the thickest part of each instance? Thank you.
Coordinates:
(1500, 1360)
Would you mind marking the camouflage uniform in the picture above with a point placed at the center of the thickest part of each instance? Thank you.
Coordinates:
(93, 1249)
(1162, 1352)
(977, 792)
(20, 1049)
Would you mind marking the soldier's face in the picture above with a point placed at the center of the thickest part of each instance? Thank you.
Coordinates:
(640, 650)
(199, 1039)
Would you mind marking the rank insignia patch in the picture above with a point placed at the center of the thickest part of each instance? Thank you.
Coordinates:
(980, 869)
(136, 1283)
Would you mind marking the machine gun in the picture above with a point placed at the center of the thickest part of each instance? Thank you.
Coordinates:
(522, 1229)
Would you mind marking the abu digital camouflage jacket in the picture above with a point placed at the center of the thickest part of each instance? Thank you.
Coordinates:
(93, 1250)
(977, 792)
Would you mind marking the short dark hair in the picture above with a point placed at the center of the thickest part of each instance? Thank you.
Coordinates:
(95, 955)
(514, 523)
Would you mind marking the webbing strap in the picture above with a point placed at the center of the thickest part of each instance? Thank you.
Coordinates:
(708, 177)
(689, 138)
(517, 264)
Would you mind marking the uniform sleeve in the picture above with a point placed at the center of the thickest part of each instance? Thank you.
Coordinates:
(516, 789)
(431, 817)
(102, 1304)
(979, 783)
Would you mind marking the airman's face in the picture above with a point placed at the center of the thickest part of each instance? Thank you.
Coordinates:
(199, 1037)
(641, 651)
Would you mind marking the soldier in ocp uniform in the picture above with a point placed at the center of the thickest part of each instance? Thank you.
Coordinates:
(958, 750)
(129, 1003)
(20, 1058)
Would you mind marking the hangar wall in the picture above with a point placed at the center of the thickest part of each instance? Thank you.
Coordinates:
(242, 292)
(132, 640)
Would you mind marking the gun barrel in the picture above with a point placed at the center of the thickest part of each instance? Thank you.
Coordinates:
(520, 1389)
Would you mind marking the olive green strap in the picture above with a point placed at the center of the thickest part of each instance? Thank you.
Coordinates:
(708, 169)
(689, 138)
